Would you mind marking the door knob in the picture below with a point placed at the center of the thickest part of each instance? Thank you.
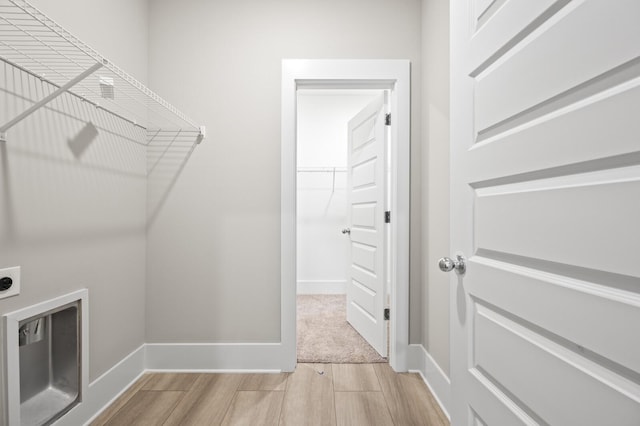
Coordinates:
(447, 264)
(346, 231)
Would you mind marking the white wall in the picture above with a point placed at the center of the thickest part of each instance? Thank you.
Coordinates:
(214, 248)
(118, 29)
(323, 252)
(435, 179)
(79, 222)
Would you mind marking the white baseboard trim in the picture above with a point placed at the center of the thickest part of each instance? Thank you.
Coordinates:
(420, 361)
(105, 389)
(322, 287)
(168, 357)
(218, 357)
(214, 357)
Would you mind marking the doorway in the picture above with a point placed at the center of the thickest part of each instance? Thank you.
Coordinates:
(330, 308)
(348, 74)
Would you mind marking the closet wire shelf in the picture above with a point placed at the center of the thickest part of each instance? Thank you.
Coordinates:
(35, 44)
(329, 169)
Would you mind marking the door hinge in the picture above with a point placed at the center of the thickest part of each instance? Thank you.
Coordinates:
(387, 217)
(387, 313)
(387, 119)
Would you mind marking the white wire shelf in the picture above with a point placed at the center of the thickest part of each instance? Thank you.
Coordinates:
(327, 169)
(32, 42)
(322, 169)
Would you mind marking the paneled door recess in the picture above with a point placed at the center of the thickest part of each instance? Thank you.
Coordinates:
(366, 204)
(546, 207)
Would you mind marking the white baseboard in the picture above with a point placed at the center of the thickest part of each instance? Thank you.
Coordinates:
(229, 357)
(255, 357)
(437, 381)
(322, 286)
(217, 357)
(105, 389)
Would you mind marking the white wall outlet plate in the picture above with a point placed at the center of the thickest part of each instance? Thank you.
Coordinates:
(14, 274)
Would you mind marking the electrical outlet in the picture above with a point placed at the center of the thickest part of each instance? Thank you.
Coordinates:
(14, 275)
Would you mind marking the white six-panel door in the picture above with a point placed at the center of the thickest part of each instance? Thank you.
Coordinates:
(546, 206)
(366, 204)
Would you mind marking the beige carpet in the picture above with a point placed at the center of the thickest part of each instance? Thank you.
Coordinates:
(324, 335)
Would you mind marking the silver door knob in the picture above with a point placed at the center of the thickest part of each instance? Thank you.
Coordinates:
(346, 231)
(447, 264)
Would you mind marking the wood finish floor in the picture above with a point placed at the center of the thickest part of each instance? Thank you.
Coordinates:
(315, 394)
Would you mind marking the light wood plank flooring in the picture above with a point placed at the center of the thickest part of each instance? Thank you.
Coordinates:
(315, 394)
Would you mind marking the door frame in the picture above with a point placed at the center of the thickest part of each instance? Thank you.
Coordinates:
(348, 74)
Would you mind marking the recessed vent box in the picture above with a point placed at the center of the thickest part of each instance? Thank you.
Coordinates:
(48, 349)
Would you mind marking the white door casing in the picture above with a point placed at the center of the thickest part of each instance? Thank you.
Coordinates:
(349, 74)
(366, 194)
(545, 203)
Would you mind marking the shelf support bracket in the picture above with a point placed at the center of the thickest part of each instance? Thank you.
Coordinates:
(33, 108)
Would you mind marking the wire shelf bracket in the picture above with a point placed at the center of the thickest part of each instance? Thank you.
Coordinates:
(46, 100)
(34, 43)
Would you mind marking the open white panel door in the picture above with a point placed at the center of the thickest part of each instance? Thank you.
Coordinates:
(546, 204)
(366, 204)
